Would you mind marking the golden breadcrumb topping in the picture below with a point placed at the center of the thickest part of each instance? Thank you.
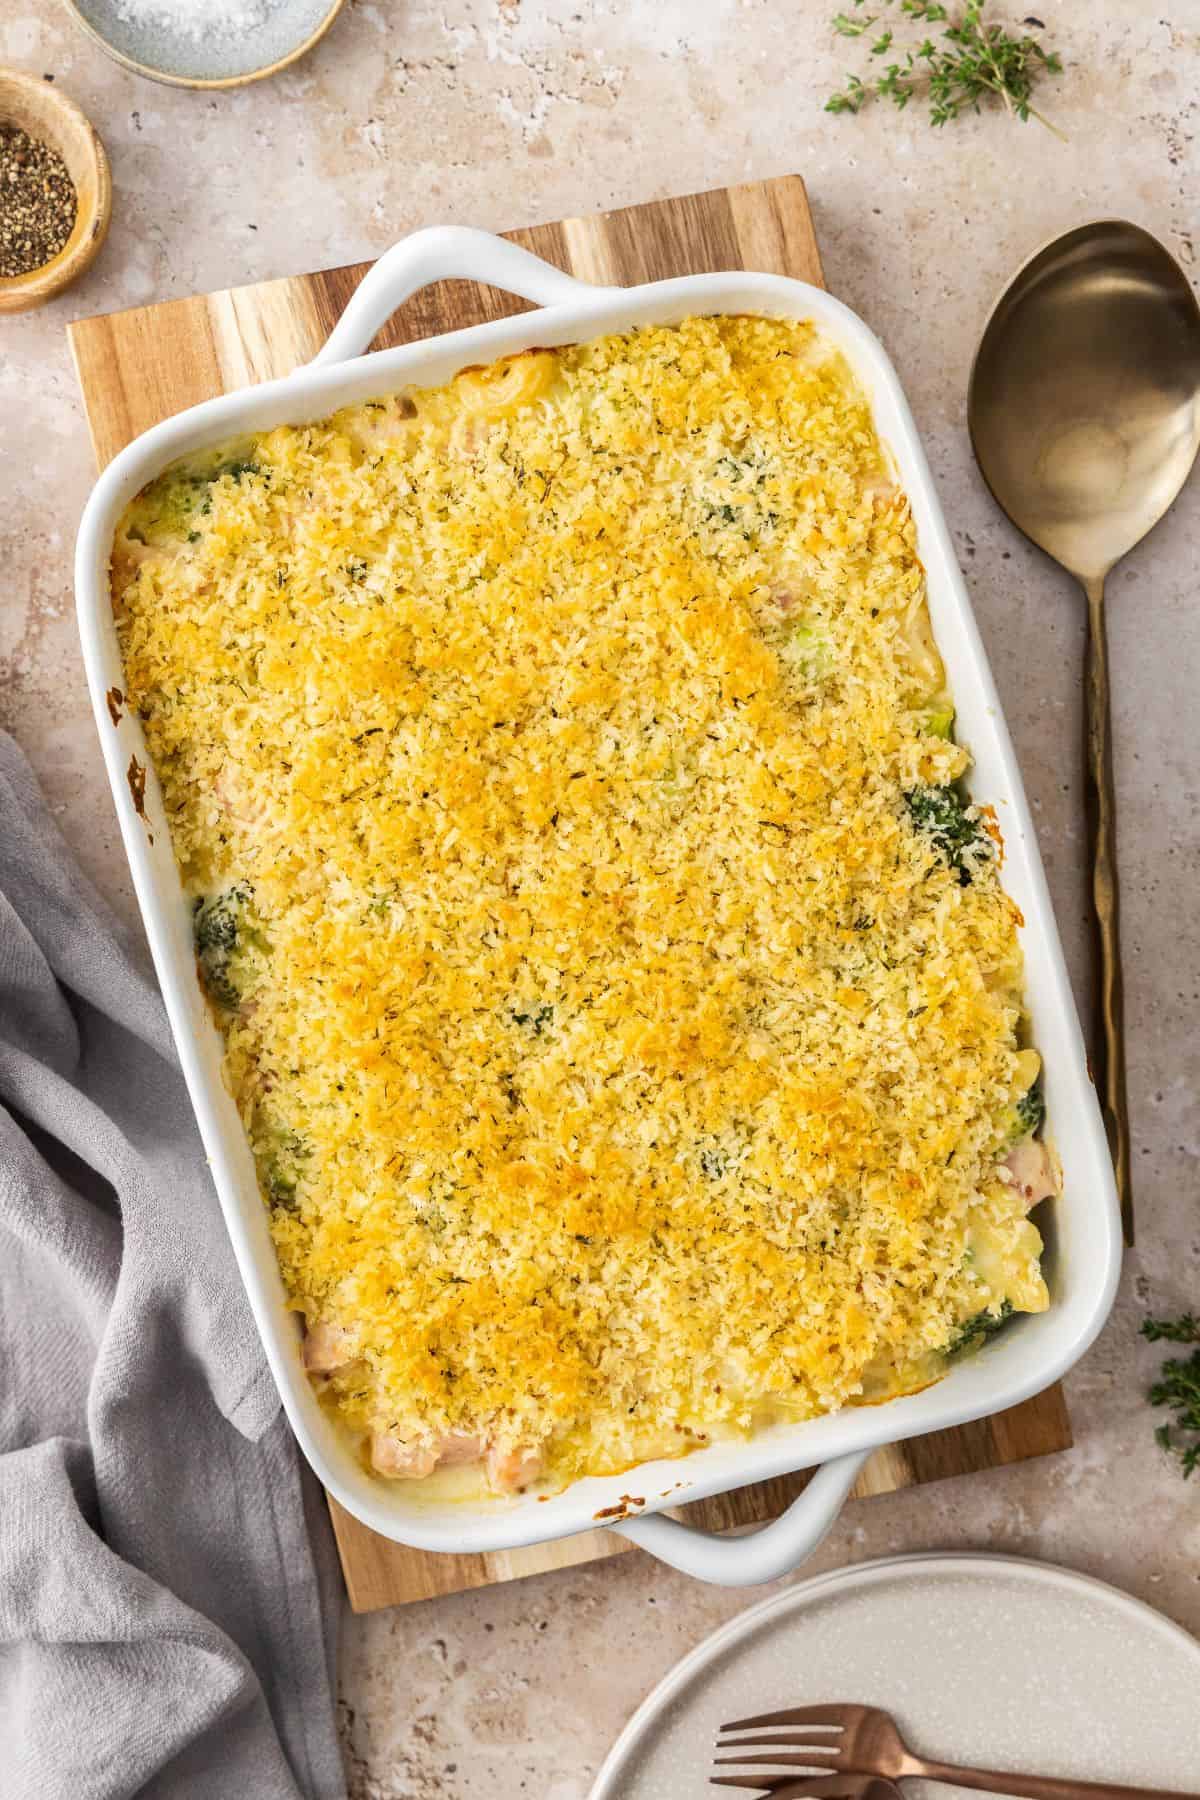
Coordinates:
(628, 1046)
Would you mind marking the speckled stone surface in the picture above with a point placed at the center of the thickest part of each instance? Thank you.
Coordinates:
(498, 114)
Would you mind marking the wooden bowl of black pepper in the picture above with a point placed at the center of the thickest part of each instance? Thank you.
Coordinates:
(55, 191)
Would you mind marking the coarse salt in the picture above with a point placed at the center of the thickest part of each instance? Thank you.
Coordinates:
(221, 20)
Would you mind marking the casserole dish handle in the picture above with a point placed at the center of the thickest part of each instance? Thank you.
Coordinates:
(762, 1555)
(444, 253)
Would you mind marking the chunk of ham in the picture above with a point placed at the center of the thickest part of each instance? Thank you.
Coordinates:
(510, 1470)
(241, 808)
(459, 1447)
(1032, 1171)
(382, 426)
(328, 1347)
(402, 1459)
(411, 1459)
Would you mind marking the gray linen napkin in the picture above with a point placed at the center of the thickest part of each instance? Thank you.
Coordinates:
(168, 1594)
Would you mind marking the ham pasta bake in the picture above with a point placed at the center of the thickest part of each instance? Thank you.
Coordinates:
(616, 982)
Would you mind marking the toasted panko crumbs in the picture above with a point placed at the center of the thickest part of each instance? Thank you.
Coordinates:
(623, 1065)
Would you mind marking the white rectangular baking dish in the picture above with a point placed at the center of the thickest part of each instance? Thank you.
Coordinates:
(1083, 1233)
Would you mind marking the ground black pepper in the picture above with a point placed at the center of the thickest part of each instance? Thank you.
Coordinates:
(37, 202)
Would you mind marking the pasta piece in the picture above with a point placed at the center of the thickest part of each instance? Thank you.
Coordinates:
(504, 386)
(919, 657)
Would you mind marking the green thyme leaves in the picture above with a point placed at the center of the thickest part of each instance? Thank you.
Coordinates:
(1178, 1388)
(968, 63)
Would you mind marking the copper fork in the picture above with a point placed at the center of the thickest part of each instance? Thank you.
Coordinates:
(820, 1787)
(864, 1741)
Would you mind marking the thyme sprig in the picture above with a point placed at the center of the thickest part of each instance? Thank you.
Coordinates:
(971, 62)
(1178, 1386)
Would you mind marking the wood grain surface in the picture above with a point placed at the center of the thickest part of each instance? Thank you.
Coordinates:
(138, 367)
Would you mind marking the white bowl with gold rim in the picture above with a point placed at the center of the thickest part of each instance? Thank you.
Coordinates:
(281, 32)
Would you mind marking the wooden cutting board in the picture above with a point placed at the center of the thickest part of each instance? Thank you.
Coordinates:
(140, 366)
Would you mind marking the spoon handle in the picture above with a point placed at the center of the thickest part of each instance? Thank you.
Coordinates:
(1102, 826)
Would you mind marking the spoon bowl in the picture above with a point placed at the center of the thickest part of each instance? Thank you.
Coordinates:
(1084, 413)
(1083, 398)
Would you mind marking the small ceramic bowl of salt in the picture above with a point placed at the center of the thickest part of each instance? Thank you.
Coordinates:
(206, 43)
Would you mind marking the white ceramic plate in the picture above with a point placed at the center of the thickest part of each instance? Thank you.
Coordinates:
(989, 1660)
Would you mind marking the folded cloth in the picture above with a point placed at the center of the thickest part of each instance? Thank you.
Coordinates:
(168, 1593)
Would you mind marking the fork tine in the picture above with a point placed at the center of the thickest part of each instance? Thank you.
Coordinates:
(802, 1787)
(827, 1716)
(760, 1783)
(788, 1740)
(826, 1787)
(816, 1760)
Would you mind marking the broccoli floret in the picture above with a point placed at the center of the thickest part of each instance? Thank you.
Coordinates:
(1023, 1117)
(939, 720)
(748, 507)
(974, 1332)
(1031, 1110)
(713, 1162)
(225, 933)
(280, 1154)
(538, 1017)
(804, 646)
(941, 813)
(170, 504)
(236, 469)
(280, 1186)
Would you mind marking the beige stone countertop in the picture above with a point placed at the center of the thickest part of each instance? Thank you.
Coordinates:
(504, 112)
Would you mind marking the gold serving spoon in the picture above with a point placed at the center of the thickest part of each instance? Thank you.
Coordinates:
(1084, 412)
